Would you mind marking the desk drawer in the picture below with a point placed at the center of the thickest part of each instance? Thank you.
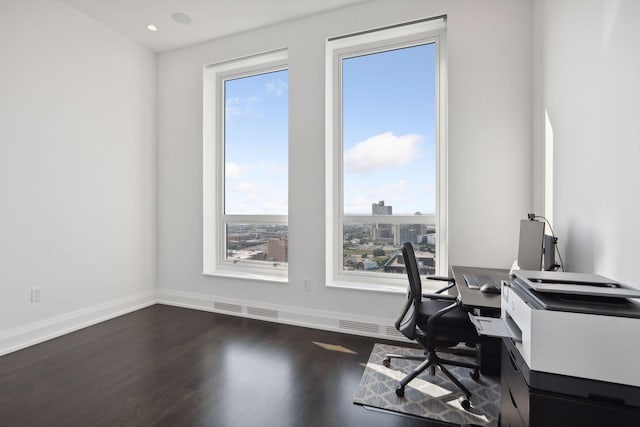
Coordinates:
(515, 391)
(509, 414)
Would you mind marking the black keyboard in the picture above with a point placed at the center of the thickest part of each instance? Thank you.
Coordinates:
(476, 281)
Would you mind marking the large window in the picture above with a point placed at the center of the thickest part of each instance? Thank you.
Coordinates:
(246, 166)
(386, 154)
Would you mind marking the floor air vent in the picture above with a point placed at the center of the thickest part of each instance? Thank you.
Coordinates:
(358, 326)
(224, 306)
(262, 312)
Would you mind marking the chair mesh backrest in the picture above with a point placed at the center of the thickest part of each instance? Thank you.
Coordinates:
(407, 324)
(410, 263)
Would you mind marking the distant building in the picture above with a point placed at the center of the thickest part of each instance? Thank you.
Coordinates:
(278, 250)
(380, 209)
(427, 239)
(369, 264)
(425, 260)
(406, 233)
(382, 232)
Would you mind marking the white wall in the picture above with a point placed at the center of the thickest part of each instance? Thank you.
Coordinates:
(77, 170)
(589, 86)
(489, 53)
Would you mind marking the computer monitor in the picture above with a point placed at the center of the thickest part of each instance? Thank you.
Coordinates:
(549, 262)
(530, 244)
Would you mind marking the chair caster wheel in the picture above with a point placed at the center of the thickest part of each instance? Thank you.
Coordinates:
(466, 404)
(386, 362)
(475, 375)
(400, 391)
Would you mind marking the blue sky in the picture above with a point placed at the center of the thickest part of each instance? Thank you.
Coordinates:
(256, 149)
(389, 135)
(389, 130)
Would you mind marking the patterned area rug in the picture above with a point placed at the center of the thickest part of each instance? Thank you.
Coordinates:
(433, 397)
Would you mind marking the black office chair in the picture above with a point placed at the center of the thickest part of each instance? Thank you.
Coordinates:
(437, 323)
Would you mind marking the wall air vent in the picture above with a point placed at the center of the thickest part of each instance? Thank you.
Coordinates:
(392, 332)
(358, 326)
(224, 306)
(262, 312)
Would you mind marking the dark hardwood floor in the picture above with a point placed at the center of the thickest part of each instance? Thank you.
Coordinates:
(177, 367)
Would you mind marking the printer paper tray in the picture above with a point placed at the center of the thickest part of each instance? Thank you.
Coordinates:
(495, 327)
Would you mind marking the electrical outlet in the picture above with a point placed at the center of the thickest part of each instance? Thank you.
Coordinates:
(35, 294)
(307, 284)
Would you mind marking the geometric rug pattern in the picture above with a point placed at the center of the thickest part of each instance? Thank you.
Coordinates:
(433, 397)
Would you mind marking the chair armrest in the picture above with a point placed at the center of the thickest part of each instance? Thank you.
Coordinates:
(441, 278)
(451, 281)
(440, 296)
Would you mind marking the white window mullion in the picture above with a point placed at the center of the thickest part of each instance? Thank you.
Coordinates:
(391, 219)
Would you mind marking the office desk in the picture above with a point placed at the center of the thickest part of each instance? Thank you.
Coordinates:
(484, 304)
(474, 299)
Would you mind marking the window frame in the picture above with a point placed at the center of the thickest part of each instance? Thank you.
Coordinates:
(344, 47)
(215, 219)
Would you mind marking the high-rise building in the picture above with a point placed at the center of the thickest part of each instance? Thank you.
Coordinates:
(278, 250)
(380, 209)
(382, 232)
(406, 233)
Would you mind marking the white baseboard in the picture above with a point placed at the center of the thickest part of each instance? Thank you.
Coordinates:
(36, 332)
(310, 318)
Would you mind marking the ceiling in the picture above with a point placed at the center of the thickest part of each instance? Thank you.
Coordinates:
(209, 18)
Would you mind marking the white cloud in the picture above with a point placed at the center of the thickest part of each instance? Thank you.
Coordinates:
(391, 193)
(270, 168)
(246, 187)
(381, 152)
(256, 188)
(277, 87)
(234, 170)
(233, 107)
(251, 198)
(263, 168)
(278, 206)
(239, 107)
(391, 189)
(358, 205)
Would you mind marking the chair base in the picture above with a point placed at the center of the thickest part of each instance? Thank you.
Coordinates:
(430, 361)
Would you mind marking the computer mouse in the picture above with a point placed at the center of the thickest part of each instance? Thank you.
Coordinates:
(490, 289)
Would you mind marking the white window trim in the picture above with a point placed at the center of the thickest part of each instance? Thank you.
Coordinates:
(213, 216)
(349, 46)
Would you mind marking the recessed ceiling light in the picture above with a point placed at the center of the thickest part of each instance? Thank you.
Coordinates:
(152, 27)
(181, 18)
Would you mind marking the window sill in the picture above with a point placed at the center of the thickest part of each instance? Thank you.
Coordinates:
(427, 286)
(368, 287)
(248, 276)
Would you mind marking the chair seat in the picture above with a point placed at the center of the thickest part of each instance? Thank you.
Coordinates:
(454, 323)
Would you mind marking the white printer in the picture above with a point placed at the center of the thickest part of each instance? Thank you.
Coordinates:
(578, 326)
